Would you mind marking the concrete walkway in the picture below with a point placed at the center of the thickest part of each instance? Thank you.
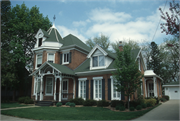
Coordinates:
(20, 107)
(166, 111)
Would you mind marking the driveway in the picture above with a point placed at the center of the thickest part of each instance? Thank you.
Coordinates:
(166, 111)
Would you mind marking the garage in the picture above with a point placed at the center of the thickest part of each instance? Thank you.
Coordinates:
(172, 90)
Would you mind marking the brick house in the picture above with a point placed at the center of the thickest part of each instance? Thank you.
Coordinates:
(65, 68)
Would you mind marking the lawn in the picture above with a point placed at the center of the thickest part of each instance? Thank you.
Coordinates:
(73, 113)
(11, 105)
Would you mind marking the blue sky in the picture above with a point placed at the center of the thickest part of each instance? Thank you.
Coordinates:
(118, 19)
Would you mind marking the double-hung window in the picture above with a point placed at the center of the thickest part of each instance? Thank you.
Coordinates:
(115, 95)
(98, 61)
(65, 58)
(38, 83)
(98, 88)
(50, 57)
(49, 86)
(39, 60)
(82, 88)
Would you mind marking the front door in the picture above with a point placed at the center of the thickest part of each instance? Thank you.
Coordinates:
(65, 89)
(150, 89)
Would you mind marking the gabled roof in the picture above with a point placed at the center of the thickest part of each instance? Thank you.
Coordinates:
(72, 40)
(45, 33)
(172, 83)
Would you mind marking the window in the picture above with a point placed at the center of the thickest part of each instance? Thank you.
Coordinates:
(49, 86)
(115, 95)
(97, 88)
(82, 89)
(50, 57)
(98, 61)
(38, 82)
(40, 42)
(65, 58)
(39, 60)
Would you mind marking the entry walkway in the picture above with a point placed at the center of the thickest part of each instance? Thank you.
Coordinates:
(20, 107)
(166, 111)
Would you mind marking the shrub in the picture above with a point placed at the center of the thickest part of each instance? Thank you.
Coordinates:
(163, 99)
(166, 97)
(122, 108)
(67, 103)
(28, 101)
(149, 105)
(22, 99)
(118, 106)
(152, 101)
(58, 104)
(77, 101)
(72, 104)
(157, 100)
(102, 103)
(144, 105)
(115, 103)
(131, 108)
(89, 102)
(138, 107)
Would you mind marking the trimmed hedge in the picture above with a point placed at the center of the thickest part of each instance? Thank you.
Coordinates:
(58, 104)
(77, 101)
(163, 99)
(152, 101)
(149, 105)
(72, 104)
(115, 103)
(67, 104)
(144, 105)
(122, 108)
(26, 100)
(89, 102)
(131, 108)
(102, 103)
(166, 97)
(138, 107)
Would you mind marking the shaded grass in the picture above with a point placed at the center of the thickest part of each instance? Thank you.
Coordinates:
(11, 105)
(75, 113)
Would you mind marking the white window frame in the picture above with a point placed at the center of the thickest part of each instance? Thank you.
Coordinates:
(37, 59)
(142, 87)
(98, 67)
(49, 94)
(53, 57)
(66, 57)
(94, 89)
(79, 89)
(112, 90)
(139, 63)
(35, 84)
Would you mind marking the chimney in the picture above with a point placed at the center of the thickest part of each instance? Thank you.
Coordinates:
(120, 46)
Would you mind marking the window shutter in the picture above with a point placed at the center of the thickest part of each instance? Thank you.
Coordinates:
(87, 89)
(103, 89)
(70, 54)
(77, 84)
(91, 89)
(60, 58)
(109, 89)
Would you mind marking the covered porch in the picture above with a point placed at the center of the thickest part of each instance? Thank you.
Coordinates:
(53, 82)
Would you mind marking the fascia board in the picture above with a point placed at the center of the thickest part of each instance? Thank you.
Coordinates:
(39, 48)
(170, 85)
(95, 71)
(96, 47)
(138, 54)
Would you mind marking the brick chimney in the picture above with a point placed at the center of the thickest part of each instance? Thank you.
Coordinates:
(120, 46)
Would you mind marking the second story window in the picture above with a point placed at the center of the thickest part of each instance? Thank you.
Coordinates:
(98, 61)
(39, 60)
(50, 57)
(66, 58)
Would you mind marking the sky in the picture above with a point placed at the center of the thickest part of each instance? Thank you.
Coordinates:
(120, 20)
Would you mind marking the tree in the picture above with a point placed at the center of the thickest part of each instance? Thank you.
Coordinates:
(127, 72)
(102, 41)
(172, 22)
(132, 44)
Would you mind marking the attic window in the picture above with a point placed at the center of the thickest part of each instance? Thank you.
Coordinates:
(98, 61)
(40, 42)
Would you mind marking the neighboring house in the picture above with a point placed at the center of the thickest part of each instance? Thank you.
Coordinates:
(172, 89)
(66, 68)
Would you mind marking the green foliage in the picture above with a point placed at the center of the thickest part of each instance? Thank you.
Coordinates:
(166, 97)
(138, 107)
(131, 108)
(115, 103)
(89, 102)
(72, 104)
(144, 105)
(77, 101)
(122, 108)
(28, 101)
(152, 101)
(127, 72)
(163, 99)
(149, 104)
(67, 103)
(102, 103)
(102, 41)
(22, 99)
(58, 104)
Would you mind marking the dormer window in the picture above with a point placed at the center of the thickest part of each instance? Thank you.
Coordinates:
(39, 60)
(98, 61)
(40, 42)
(50, 57)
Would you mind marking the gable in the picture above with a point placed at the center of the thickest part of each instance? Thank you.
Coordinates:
(97, 52)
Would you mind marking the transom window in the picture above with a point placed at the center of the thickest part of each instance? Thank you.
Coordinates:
(82, 89)
(39, 60)
(50, 57)
(98, 89)
(66, 58)
(98, 61)
(49, 86)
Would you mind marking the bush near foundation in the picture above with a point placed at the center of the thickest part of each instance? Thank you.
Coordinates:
(149, 105)
(157, 99)
(144, 105)
(138, 107)
(77, 101)
(102, 103)
(72, 104)
(67, 104)
(152, 101)
(26, 100)
(115, 103)
(131, 108)
(122, 108)
(163, 99)
(166, 97)
(58, 104)
(89, 102)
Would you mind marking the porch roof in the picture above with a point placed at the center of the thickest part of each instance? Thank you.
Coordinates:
(150, 73)
(60, 68)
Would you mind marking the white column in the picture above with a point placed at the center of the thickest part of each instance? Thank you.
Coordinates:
(55, 89)
(60, 79)
(145, 89)
(41, 96)
(73, 88)
(36, 83)
(155, 87)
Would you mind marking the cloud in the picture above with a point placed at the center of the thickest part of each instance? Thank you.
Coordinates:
(60, 13)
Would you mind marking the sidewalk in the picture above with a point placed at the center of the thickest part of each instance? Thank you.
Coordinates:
(20, 107)
(12, 118)
(167, 111)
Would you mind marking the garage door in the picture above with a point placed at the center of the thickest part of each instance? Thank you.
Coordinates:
(174, 93)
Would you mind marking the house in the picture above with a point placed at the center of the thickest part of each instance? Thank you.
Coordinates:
(65, 68)
(172, 89)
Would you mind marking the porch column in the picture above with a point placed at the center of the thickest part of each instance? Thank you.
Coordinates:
(55, 89)
(73, 88)
(145, 89)
(36, 83)
(41, 95)
(60, 79)
(155, 87)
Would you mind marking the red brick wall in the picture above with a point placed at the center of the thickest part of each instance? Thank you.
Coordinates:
(44, 58)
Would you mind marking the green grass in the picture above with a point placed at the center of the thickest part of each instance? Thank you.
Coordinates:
(11, 105)
(75, 113)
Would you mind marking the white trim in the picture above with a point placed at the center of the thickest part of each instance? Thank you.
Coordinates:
(112, 90)
(138, 54)
(36, 60)
(67, 53)
(95, 71)
(82, 88)
(82, 79)
(97, 67)
(49, 94)
(94, 95)
(93, 50)
(171, 85)
(45, 47)
(96, 78)
(53, 57)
